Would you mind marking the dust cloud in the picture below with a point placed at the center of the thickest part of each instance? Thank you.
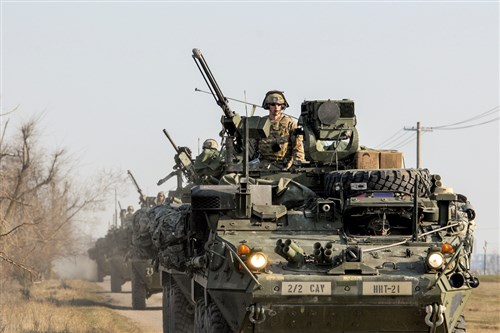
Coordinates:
(76, 267)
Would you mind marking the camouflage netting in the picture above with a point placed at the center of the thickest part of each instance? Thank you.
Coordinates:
(168, 230)
(142, 244)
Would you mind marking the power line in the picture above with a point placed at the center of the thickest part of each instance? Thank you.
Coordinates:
(469, 126)
(395, 141)
(383, 142)
(403, 141)
(479, 116)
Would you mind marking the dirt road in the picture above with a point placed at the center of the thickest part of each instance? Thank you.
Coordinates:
(149, 320)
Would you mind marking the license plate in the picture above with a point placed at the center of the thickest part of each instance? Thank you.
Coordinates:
(387, 288)
(306, 288)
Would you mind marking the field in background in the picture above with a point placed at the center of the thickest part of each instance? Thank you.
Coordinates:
(482, 311)
(59, 306)
(73, 306)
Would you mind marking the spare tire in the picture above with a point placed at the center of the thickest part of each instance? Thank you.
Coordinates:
(396, 180)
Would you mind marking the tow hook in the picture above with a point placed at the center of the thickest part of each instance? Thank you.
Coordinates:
(257, 314)
(437, 313)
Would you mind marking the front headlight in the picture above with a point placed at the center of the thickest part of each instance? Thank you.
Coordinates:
(257, 261)
(435, 260)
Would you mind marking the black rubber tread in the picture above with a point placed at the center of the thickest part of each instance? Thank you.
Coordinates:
(199, 316)
(116, 279)
(214, 321)
(178, 316)
(398, 180)
(138, 285)
(460, 326)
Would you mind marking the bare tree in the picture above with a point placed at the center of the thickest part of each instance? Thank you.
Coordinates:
(40, 201)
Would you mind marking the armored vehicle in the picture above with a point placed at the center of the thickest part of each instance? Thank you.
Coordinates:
(98, 254)
(347, 241)
(118, 240)
(145, 281)
(110, 254)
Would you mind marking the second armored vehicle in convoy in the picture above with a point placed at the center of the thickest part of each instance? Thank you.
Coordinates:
(145, 281)
(110, 255)
(348, 241)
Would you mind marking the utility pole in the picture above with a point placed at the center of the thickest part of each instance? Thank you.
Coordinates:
(484, 257)
(115, 219)
(419, 130)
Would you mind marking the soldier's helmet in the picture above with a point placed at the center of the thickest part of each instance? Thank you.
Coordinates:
(211, 144)
(130, 208)
(274, 96)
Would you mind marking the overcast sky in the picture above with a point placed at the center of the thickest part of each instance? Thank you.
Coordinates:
(109, 76)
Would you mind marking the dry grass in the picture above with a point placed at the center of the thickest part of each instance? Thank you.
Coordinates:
(57, 306)
(482, 311)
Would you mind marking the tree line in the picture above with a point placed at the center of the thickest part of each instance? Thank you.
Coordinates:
(41, 202)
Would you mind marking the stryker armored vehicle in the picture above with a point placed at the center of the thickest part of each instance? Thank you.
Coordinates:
(145, 281)
(98, 254)
(110, 255)
(348, 241)
(118, 240)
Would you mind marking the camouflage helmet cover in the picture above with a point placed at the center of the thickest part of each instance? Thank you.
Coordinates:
(130, 208)
(274, 96)
(210, 143)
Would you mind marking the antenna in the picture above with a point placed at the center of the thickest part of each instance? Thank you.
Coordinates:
(246, 109)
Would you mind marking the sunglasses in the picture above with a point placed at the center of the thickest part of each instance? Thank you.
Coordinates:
(274, 104)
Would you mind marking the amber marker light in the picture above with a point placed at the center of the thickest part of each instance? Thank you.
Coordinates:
(447, 248)
(244, 249)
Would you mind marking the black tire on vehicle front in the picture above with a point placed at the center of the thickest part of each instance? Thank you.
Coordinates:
(178, 314)
(397, 180)
(460, 326)
(214, 321)
(199, 316)
(138, 285)
(116, 279)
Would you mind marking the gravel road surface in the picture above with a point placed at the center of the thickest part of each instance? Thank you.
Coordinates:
(149, 320)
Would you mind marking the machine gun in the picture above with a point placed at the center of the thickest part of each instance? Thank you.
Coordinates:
(142, 197)
(256, 127)
(231, 120)
(183, 162)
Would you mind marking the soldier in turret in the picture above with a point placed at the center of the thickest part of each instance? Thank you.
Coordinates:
(160, 198)
(209, 165)
(282, 144)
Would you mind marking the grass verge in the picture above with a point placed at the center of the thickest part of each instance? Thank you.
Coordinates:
(59, 306)
(482, 311)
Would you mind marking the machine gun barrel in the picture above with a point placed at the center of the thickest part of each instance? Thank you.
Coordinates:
(183, 162)
(212, 84)
(171, 141)
(141, 195)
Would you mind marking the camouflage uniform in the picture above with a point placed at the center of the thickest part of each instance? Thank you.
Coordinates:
(281, 142)
(209, 163)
